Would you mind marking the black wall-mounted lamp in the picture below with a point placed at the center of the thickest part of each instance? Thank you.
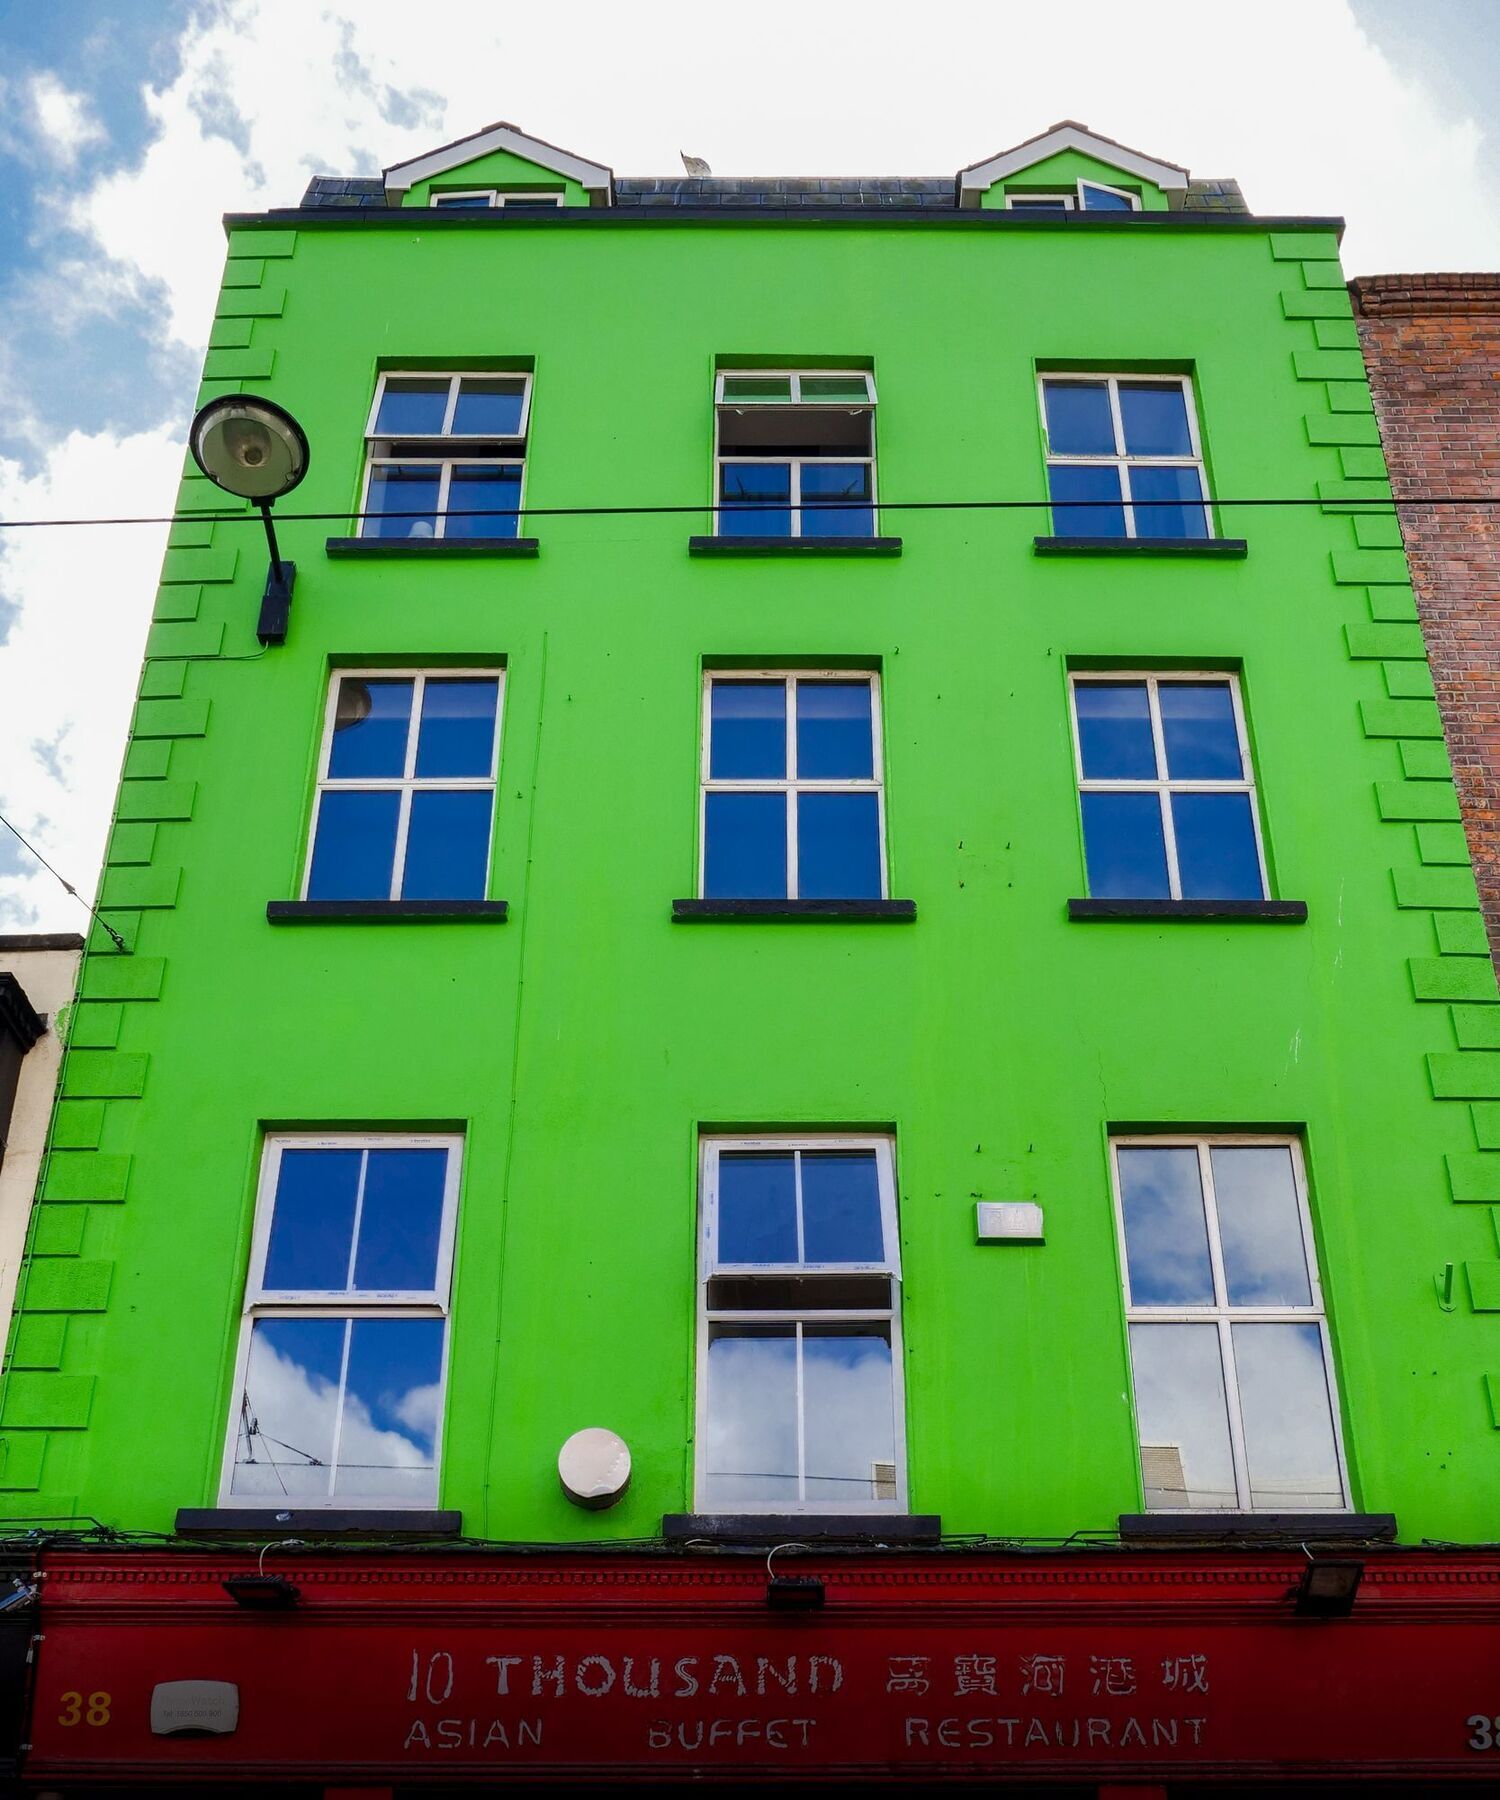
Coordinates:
(262, 1593)
(256, 451)
(1328, 1587)
(791, 1593)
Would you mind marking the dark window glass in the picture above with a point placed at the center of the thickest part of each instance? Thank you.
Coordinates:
(1095, 484)
(355, 845)
(747, 739)
(834, 736)
(825, 482)
(1124, 847)
(482, 501)
(848, 1421)
(1114, 730)
(838, 846)
(413, 406)
(1216, 857)
(841, 1207)
(1175, 497)
(401, 1219)
(291, 1400)
(756, 500)
(1260, 1226)
(1166, 1231)
(488, 406)
(371, 721)
(312, 1222)
(1199, 732)
(1097, 199)
(757, 1207)
(1039, 206)
(745, 848)
(1154, 415)
(1079, 422)
(447, 844)
(391, 1395)
(464, 202)
(457, 733)
(751, 1452)
(402, 501)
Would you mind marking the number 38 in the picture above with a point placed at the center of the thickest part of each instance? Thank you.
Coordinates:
(78, 1711)
(1486, 1732)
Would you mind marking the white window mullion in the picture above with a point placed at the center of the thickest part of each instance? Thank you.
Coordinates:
(445, 473)
(797, 1200)
(1163, 789)
(796, 495)
(1236, 1418)
(359, 1213)
(338, 1418)
(801, 1425)
(452, 407)
(790, 790)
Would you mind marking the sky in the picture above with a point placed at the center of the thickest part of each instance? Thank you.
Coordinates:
(128, 127)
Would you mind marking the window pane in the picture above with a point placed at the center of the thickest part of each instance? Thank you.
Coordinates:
(854, 388)
(1260, 1226)
(371, 722)
(1166, 1233)
(836, 481)
(402, 501)
(751, 1452)
(1124, 848)
(1289, 1442)
(401, 1220)
(838, 847)
(1059, 205)
(1199, 732)
(457, 733)
(466, 201)
(757, 387)
(355, 846)
(757, 1207)
(392, 1396)
(849, 1426)
(1096, 199)
(531, 202)
(412, 406)
(841, 1207)
(1079, 422)
(1180, 1412)
(1216, 857)
(1114, 730)
(448, 844)
(834, 736)
(1097, 487)
(1154, 414)
(312, 1223)
(1177, 494)
(488, 406)
(756, 500)
(747, 739)
(744, 854)
(482, 501)
(289, 1410)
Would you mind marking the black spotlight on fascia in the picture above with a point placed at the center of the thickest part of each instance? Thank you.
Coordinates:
(262, 1593)
(256, 451)
(1328, 1587)
(791, 1593)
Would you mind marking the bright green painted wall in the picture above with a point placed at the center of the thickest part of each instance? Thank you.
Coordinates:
(582, 1044)
(1063, 170)
(500, 169)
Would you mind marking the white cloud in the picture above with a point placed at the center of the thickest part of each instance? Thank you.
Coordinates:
(62, 118)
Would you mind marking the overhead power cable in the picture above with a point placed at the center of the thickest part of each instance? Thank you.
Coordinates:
(103, 924)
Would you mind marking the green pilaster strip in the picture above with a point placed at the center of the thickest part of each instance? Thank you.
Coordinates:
(1297, 246)
(95, 1026)
(1407, 680)
(230, 334)
(1451, 978)
(131, 844)
(1464, 1074)
(1492, 1394)
(1341, 428)
(86, 1175)
(104, 1075)
(1476, 1027)
(191, 534)
(1361, 462)
(1486, 1117)
(1399, 800)
(252, 303)
(21, 1457)
(1349, 397)
(1442, 844)
(147, 759)
(77, 1125)
(1304, 303)
(1484, 1285)
(181, 600)
(171, 718)
(239, 365)
(1426, 761)
(1373, 643)
(1367, 566)
(1377, 532)
(254, 240)
(145, 888)
(1398, 604)
(1449, 890)
(124, 978)
(163, 680)
(157, 799)
(1474, 1177)
(37, 1343)
(1461, 934)
(58, 1230)
(1328, 365)
(47, 1402)
(205, 637)
(199, 565)
(69, 1285)
(244, 272)
(1401, 718)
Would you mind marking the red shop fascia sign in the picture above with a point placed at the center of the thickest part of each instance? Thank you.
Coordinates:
(1101, 1665)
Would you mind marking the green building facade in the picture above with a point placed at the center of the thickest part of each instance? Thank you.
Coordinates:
(913, 915)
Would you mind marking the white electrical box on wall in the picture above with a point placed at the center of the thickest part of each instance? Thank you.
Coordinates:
(1009, 1222)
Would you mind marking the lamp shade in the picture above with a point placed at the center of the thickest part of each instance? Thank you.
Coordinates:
(249, 447)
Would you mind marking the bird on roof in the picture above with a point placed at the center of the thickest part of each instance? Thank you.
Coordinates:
(694, 165)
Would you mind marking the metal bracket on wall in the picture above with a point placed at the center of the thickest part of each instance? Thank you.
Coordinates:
(1444, 1285)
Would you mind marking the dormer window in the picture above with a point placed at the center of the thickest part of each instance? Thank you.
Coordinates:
(484, 199)
(1084, 196)
(795, 453)
(446, 456)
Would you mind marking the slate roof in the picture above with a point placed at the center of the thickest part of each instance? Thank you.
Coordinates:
(864, 192)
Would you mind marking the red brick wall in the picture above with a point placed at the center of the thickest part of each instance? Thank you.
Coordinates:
(1432, 346)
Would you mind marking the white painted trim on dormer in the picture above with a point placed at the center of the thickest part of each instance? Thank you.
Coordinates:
(596, 181)
(974, 180)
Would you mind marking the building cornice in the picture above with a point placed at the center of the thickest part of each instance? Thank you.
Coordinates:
(1412, 296)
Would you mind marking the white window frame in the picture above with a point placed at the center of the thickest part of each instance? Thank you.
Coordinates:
(1120, 460)
(1221, 1313)
(495, 197)
(1164, 786)
(791, 784)
(710, 1146)
(261, 1302)
(1072, 199)
(408, 782)
(795, 377)
(449, 443)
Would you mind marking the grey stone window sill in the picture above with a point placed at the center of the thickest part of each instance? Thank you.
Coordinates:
(265, 1522)
(790, 546)
(1271, 912)
(802, 1528)
(1209, 1527)
(896, 911)
(1140, 546)
(344, 912)
(438, 548)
